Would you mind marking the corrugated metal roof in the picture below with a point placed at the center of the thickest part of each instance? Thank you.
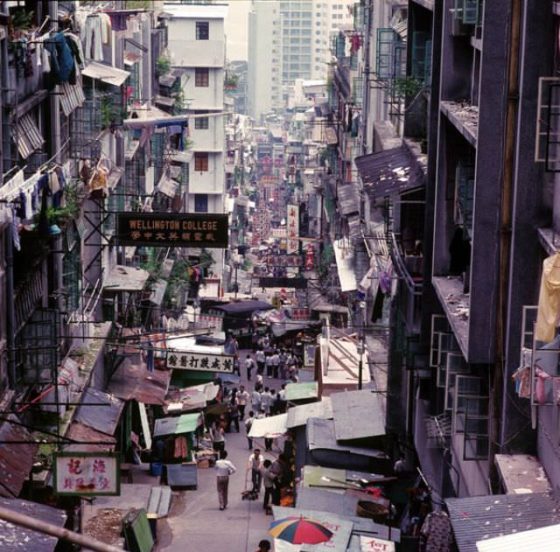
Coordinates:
(83, 433)
(298, 415)
(357, 415)
(28, 137)
(391, 171)
(71, 97)
(16, 459)
(134, 381)
(14, 538)
(99, 411)
(545, 539)
(480, 518)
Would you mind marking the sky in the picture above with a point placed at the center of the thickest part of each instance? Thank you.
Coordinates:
(237, 29)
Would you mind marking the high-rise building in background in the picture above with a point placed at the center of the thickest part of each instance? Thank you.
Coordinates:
(290, 40)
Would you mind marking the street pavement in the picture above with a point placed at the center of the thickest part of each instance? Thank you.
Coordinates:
(196, 524)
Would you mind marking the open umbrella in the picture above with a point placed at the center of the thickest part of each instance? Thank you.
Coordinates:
(299, 530)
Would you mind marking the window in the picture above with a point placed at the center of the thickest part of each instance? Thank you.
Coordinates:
(202, 77)
(200, 203)
(201, 123)
(202, 30)
(201, 161)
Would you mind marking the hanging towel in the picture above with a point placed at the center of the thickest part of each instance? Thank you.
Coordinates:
(548, 312)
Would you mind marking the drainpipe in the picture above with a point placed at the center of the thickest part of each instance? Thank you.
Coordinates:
(506, 208)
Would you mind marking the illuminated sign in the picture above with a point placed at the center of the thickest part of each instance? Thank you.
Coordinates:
(173, 229)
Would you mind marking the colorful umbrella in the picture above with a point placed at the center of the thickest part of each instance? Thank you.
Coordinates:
(299, 530)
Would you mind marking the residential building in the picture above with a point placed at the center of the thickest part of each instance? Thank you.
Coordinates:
(197, 48)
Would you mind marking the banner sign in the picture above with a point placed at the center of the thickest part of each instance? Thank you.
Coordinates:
(376, 545)
(86, 473)
(200, 362)
(293, 229)
(284, 260)
(173, 229)
(297, 283)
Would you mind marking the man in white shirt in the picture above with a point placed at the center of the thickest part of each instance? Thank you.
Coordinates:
(242, 400)
(260, 356)
(249, 365)
(224, 468)
(255, 464)
(266, 399)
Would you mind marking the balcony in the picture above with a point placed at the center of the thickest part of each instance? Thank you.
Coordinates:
(464, 118)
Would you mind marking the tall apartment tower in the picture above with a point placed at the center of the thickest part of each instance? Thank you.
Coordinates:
(197, 47)
(289, 40)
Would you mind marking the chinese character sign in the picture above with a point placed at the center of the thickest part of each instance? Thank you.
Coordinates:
(376, 545)
(87, 474)
(198, 362)
(173, 229)
(293, 228)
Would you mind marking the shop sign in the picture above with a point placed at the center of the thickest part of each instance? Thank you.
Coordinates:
(293, 229)
(199, 362)
(87, 473)
(284, 260)
(297, 283)
(369, 544)
(173, 229)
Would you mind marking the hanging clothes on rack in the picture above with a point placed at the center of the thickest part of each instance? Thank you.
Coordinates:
(93, 36)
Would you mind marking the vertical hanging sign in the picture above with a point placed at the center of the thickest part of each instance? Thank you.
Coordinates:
(293, 229)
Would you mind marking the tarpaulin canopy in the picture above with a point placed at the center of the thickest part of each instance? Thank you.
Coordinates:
(270, 428)
(302, 391)
(185, 423)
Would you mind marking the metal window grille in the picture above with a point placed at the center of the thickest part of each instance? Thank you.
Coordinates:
(455, 365)
(202, 30)
(201, 77)
(418, 55)
(72, 270)
(477, 441)
(468, 12)
(547, 143)
(466, 387)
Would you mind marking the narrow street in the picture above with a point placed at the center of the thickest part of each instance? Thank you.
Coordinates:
(195, 521)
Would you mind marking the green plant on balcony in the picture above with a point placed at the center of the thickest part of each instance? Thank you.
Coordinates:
(163, 66)
(407, 87)
(231, 81)
(21, 20)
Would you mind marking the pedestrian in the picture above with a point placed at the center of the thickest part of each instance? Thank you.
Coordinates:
(242, 400)
(268, 484)
(248, 423)
(249, 365)
(266, 400)
(268, 363)
(282, 363)
(259, 383)
(279, 468)
(264, 546)
(224, 468)
(275, 364)
(261, 358)
(282, 402)
(218, 438)
(256, 399)
(233, 412)
(274, 402)
(255, 464)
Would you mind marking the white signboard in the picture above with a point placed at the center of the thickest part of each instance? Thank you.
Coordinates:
(86, 474)
(293, 229)
(199, 362)
(369, 544)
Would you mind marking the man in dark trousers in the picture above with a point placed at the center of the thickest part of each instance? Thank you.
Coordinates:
(224, 468)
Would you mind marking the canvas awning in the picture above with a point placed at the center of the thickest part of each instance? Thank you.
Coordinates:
(391, 171)
(298, 415)
(158, 119)
(308, 390)
(15, 538)
(105, 73)
(99, 411)
(195, 397)
(186, 423)
(135, 382)
(126, 278)
(269, 428)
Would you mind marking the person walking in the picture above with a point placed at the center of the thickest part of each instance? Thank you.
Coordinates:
(218, 438)
(268, 363)
(268, 478)
(266, 400)
(264, 546)
(224, 468)
(256, 400)
(242, 400)
(255, 464)
(248, 423)
(249, 365)
(233, 414)
(261, 358)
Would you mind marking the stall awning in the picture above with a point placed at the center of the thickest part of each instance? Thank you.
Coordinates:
(391, 171)
(105, 73)
(195, 397)
(156, 118)
(545, 539)
(302, 391)
(185, 423)
(17, 451)
(126, 278)
(243, 307)
(135, 382)
(14, 538)
(99, 411)
(333, 478)
(479, 518)
(357, 415)
(270, 428)
(298, 415)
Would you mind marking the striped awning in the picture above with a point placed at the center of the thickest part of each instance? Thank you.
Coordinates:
(28, 136)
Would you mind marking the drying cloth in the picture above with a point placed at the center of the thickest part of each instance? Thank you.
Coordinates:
(548, 311)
